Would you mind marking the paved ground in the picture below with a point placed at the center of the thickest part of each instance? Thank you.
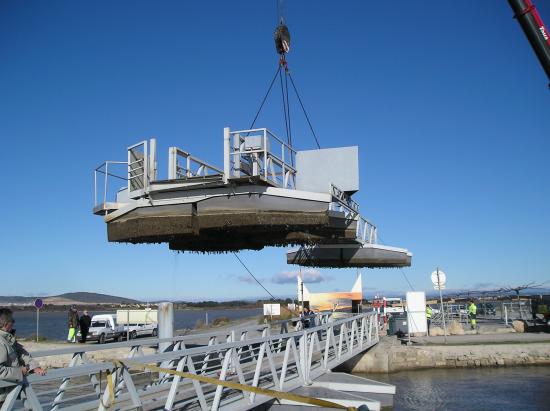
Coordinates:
(497, 338)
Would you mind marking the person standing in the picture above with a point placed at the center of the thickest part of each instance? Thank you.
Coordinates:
(15, 362)
(84, 322)
(73, 324)
(472, 314)
(429, 313)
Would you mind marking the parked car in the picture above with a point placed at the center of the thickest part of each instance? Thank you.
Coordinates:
(103, 329)
(123, 324)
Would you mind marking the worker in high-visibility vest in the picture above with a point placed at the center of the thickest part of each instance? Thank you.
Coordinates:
(472, 312)
(429, 312)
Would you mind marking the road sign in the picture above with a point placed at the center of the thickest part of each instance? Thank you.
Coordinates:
(38, 303)
(442, 278)
(438, 279)
(272, 309)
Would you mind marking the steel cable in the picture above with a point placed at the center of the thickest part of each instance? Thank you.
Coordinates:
(304, 110)
(252, 275)
(265, 97)
(400, 269)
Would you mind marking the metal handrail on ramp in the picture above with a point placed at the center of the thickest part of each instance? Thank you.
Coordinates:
(279, 361)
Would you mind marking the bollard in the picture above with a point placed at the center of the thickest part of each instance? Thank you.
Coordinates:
(165, 324)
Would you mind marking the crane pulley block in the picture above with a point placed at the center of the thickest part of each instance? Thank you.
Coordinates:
(282, 39)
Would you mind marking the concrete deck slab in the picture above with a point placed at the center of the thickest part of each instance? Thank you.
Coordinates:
(359, 386)
(350, 255)
(339, 397)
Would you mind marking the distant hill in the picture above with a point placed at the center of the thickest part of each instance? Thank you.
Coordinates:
(97, 298)
(15, 299)
(78, 298)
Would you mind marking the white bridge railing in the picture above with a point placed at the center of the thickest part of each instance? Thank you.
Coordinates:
(252, 356)
(181, 165)
(365, 231)
(259, 153)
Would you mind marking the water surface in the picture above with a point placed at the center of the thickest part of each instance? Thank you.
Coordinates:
(514, 388)
(53, 325)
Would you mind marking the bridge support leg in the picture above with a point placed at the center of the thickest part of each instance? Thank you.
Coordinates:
(165, 324)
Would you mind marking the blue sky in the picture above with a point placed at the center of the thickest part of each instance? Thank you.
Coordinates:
(447, 103)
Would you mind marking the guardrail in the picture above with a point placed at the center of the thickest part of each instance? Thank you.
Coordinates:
(365, 231)
(107, 170)
(259, 153)
(191, 167)
(282, 361)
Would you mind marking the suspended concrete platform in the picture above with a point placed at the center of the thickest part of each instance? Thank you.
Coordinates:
(350, 255)
(267, 194)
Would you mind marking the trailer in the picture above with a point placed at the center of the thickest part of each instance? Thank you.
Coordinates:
(138, 323)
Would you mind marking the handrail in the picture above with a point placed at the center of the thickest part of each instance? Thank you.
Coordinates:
(106, 174)
(173, 165)
(273, 168)
(280, 361)
(180, 338)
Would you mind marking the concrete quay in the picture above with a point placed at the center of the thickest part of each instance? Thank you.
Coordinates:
(498, 350)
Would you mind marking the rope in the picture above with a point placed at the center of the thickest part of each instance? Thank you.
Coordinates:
(288, 109)
(284, 104)
(230, 384)
(400, 269)
(265, 97)
(110, 390)
(406, 279)
(252, 275)
(304, 110)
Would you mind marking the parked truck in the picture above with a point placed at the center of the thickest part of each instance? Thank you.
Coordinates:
(138, 323)
(104, 328)
(122, 325)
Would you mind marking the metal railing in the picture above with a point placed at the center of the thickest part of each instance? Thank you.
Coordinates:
(260, 153)
(138, 169)
(344, 199)
(101, 188)
(512, 310)
(453, 312)
(189, 167)
(282, 361)
(365, 231)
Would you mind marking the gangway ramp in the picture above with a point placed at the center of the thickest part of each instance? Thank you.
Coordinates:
(254, 357)
(266, 194)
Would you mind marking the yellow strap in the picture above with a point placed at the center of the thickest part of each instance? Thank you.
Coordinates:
(236, 386)
(111, 390)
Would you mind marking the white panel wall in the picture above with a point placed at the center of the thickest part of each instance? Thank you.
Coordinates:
(416, 310)
(317, 169)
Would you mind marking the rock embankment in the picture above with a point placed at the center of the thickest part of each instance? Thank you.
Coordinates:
(391, 356)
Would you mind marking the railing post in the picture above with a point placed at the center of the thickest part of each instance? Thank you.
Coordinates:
(265, 154)
(105, 182)
(165, 324)
(172, 163)
(304, 357)
(95, 187)
(226, 154)
(153, 159)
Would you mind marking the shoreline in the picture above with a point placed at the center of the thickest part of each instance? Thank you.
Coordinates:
(390, 355)
(106, 307)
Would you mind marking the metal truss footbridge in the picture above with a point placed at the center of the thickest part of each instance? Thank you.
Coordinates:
(283, 357)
